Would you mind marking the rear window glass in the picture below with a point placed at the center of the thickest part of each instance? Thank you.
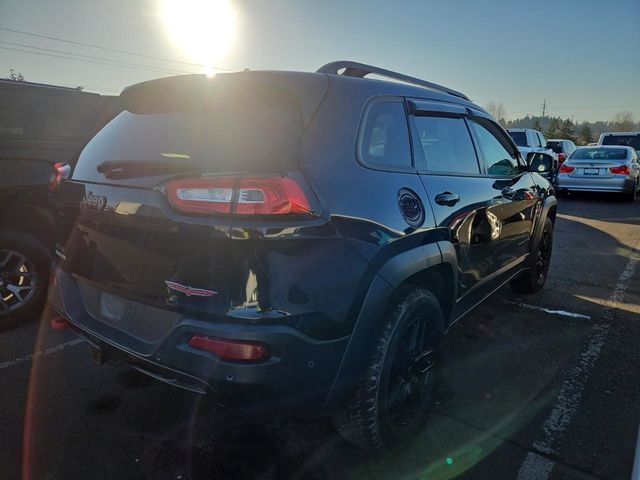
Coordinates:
(384, 138)
(520, 138)
(599, 154)
(255, 138)
(624, 140)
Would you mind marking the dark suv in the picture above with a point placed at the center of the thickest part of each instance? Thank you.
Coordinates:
(296, 242)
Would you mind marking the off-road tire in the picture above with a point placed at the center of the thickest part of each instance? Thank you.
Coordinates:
(532, 280)
(365, 419)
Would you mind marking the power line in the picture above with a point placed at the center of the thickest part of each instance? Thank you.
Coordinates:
(111, 61)
(139, 67)
(108, 49)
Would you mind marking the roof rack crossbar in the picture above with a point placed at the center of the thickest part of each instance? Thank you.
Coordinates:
(361, 70)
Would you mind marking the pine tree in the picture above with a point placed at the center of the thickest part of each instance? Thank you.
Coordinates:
(552, 129)
(537, 125)
(566, 130)
(585, 136)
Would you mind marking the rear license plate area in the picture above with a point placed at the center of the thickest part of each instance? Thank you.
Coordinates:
(112, 308)
(591, 171)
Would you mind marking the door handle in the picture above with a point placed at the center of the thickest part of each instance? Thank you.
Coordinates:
(447, 198)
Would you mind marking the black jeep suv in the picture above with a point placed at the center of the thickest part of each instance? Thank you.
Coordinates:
(296, 242)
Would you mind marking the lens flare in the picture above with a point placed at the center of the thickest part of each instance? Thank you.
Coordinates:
(204, 29)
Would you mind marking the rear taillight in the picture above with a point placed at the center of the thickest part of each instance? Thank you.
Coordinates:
(620, 170)
(566, 168)
(274, 195)
(59, 171)
(237, 350)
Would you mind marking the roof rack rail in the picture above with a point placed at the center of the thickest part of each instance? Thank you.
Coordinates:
(361, 70)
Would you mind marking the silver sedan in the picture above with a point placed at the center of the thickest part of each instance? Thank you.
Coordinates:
(601, 169)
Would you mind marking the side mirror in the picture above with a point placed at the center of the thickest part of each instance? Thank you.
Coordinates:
(540, 162)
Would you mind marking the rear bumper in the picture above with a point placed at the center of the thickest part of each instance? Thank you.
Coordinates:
(296, 378)
(620, 184)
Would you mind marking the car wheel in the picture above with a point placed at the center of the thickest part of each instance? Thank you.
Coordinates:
(534, 278)
(393, 398)
(24, 269)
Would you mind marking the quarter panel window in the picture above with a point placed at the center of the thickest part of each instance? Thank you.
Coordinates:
(445, 145)
(496, 157)
(384, 138)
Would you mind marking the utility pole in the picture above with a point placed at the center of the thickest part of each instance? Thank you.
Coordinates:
(544, 110)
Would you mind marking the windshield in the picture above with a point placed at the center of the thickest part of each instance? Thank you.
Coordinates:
(520, 138)
(632, 141)
(599, 154)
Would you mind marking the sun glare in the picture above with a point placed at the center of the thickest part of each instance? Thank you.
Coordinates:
(203, 29)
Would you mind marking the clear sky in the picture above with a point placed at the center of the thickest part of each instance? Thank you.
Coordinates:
(582, 56)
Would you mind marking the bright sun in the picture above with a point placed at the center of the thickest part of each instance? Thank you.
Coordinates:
(204, 29)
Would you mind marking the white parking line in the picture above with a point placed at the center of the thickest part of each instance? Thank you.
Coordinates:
(552, 312)
(536, 466)
(31, 356)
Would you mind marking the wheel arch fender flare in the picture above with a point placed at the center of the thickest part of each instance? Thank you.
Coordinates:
(391, 274)
(548, 210)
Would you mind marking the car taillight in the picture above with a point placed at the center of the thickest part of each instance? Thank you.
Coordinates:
(238, 350)
(59, 172)
(566, 168)
(620, 170)
(251, 195)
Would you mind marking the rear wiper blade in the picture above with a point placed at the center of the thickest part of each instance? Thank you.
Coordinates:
(121, 169)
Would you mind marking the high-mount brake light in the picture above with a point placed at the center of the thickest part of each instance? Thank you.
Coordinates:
(249, 195)
(620, 170)
(566, 168)
(59, 171)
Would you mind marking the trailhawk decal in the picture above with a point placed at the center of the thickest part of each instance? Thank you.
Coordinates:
(190, 291)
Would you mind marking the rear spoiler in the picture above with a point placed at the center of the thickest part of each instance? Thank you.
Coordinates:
(170, 94)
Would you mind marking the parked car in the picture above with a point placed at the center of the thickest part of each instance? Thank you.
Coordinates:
(562, 148)
(529, 140)
(296, 242)
(601, 169)
(41, 128)
(629, 139)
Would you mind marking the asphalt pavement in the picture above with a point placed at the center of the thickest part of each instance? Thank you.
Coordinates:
(534, 387)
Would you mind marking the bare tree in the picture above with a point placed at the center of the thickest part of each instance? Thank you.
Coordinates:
(623, 121)
(497, 111)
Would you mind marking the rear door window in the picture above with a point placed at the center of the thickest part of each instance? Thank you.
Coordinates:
(384, 138)
(444, 145)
